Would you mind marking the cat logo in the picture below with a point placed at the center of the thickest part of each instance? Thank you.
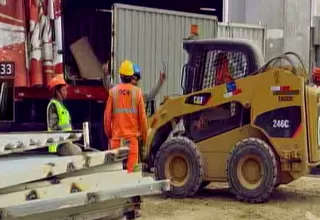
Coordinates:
(198, 100)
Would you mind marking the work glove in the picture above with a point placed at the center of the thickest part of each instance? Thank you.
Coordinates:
(162, 77)
(105, 68)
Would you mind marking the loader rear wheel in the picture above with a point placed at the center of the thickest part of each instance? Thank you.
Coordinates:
(252, 170)
(180, 161)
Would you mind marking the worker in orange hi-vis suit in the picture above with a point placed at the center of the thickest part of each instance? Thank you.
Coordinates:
(125, 119)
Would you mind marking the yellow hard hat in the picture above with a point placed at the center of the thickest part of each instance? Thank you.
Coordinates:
(126, 68)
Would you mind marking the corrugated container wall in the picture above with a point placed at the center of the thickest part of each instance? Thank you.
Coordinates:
(152, 37)
(256, 34)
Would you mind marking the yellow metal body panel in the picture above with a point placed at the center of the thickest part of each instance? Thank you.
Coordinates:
(295, 153)
(313, 113)
(215, 151)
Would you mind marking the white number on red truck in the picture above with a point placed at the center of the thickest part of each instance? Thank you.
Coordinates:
(7, 68)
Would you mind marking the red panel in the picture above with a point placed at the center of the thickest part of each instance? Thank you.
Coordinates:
(74, 92)
(284, 88)
(14, 12)
(237, 91)
(12, 40)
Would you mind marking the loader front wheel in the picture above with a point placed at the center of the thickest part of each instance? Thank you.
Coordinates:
(180, 161)
(252, 170)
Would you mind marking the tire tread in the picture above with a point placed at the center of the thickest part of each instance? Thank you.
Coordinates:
(180, 140)
(259, 143)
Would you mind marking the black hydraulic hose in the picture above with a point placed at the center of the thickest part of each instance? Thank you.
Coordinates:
(297, 56)
(285, 57)
(274, 61)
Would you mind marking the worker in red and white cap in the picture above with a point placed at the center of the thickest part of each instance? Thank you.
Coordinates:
(58, 116)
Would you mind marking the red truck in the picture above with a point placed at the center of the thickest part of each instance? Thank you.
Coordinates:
(33, 48)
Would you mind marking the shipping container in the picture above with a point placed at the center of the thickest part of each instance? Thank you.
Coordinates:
(39, 38)
(256, 34)
(151, 37)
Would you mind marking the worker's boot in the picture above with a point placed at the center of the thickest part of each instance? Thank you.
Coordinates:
(69, 149)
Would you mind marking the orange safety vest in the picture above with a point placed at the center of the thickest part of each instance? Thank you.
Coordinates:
(125, 117)
(119, 106)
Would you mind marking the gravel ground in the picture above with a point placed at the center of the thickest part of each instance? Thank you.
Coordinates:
(297, 200)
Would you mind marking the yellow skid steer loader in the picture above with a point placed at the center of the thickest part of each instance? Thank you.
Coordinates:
(240, 120)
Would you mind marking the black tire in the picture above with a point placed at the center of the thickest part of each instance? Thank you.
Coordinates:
(180, 149)
(263, 158)
(146, 168)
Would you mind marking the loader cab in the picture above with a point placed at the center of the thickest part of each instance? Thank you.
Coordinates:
(213, 62)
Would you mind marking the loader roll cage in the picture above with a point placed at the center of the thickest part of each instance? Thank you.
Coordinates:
(242, 59)
(209, 59)
(205, 67)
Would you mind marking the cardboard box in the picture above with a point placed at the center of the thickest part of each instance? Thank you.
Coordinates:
(88, 63)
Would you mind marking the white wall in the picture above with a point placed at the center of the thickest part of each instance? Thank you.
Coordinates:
(288, 23)
(315, 9)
